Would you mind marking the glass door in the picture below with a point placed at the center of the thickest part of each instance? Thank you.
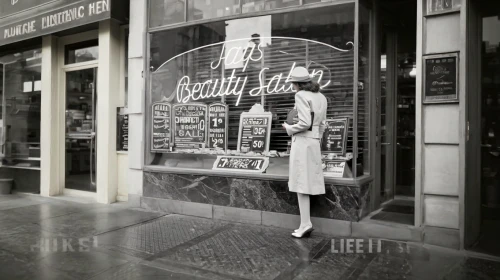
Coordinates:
(80, 141)
(387, 117)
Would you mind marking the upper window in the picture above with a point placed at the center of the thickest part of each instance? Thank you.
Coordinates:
(81, 52)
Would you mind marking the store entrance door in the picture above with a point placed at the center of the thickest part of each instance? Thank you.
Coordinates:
(395, 191)
(81, 101)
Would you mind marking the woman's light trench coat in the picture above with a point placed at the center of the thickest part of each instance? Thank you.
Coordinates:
(306, 171)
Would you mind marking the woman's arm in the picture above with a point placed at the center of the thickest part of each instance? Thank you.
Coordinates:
(304, 115)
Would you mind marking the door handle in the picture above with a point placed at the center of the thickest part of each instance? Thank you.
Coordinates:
(385, 144)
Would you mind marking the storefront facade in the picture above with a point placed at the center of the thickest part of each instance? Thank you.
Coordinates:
(63, 73)
(401, 78)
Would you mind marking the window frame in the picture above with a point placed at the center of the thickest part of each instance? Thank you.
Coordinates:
(355, 180)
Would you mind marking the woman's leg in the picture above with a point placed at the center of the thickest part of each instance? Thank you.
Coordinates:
(305, 210)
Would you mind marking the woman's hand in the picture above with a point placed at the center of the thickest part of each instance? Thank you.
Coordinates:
(284, 125)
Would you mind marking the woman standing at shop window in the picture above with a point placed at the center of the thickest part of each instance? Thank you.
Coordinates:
(306, 124)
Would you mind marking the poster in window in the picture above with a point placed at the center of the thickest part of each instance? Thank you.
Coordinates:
(254, 132)
(335, 136)
(122, 130)
(160, 128)
(217, 125)
(441, 78)
(190, 125)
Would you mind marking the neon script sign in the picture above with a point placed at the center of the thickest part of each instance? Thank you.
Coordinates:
(235, 57)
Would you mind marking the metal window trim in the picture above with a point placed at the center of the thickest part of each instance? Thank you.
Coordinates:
(185, 23)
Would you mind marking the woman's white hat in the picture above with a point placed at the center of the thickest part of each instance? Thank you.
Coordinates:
(300, 74)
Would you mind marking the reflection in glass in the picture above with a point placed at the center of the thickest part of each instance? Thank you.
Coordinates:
(165, 12)
(20, 125)
(249, 6)
(205, 9)
(80, 129)
(81, 52)
(279, 41)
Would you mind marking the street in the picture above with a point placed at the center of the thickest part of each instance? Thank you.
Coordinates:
(60, 238)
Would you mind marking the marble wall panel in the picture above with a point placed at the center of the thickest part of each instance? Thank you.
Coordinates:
(339, 202)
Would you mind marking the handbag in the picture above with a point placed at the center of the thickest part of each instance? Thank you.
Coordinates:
(293, 118)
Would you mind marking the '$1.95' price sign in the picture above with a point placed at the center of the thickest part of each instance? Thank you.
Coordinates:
(241, 163)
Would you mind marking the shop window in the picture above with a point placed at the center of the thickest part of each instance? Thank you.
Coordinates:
(205, 9)
(165, 12)
(253, 65)
(21, 96)
(363, 112)
(81, 52)
(249, 6)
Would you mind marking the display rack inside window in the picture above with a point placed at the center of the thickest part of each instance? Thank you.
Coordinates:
(219, 92)
(21, 97)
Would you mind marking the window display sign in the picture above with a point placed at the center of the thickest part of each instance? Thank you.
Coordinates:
(334, 168)
(441, 78)
(335, 136)
(160, 130)
(190, 125)
(240, 163)
(254, 132)
(217, 125)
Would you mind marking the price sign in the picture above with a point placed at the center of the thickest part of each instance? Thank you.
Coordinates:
(335, 136)
(217, 125)
(160, 128)
(254, 132)
(190, 125)
(241, 163)
(334, 168)
(441, 78)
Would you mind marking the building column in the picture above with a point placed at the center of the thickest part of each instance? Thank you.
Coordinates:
(108, 97)
(439, 137)
(50, 184)
(136, 89)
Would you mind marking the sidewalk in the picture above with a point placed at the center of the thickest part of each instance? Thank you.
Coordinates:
(49, 238)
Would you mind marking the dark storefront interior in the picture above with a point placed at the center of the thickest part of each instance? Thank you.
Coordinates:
(396, 112)
(490, 128)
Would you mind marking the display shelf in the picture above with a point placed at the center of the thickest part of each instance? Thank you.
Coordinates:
(20, 167)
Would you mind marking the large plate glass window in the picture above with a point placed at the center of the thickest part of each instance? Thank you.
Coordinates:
(225, 61)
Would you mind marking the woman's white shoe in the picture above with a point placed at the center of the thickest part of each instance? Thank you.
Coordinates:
(305, 232)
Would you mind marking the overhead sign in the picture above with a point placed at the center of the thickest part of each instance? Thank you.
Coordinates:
(441, 78)
(64, 16)
(9, 7)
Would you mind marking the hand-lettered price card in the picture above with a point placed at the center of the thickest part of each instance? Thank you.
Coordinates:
(335, 136)
(160, 128)
(254, 132)
(190, 125)
(241, 163)
(217, 125)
